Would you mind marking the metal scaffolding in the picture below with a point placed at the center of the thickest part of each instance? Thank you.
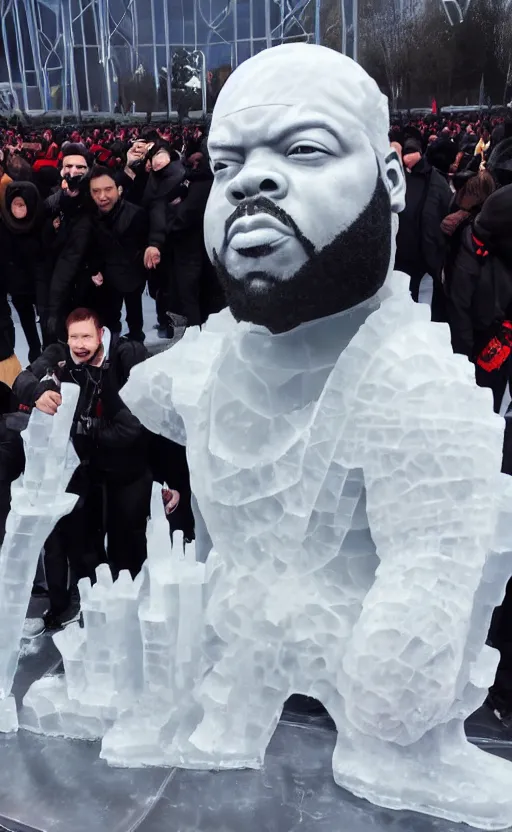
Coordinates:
(76, 55)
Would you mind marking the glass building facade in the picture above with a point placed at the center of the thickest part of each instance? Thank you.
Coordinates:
(141, 55)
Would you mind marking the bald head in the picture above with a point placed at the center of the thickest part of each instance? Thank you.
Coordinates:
(299, 74)
(303, 172)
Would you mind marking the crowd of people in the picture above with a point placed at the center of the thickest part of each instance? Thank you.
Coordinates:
(457, 228)
(87, 222)
(90, 218)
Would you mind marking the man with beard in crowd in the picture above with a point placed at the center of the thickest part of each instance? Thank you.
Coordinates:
(318, 414)
(120, 233)
(113, 480)
(66, 237)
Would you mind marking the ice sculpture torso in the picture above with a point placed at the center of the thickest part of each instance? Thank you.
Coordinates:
(298, 445)
(282, 497)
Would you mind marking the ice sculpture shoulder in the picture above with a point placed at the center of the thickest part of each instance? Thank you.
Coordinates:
(345, 464)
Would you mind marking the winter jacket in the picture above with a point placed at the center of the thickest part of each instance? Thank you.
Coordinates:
(106, 435)
(21, 243)
(480, 296)
(119, 240)
(185, 243)
(420, 244)
(162, 189)
(133, 189)
(67, 247)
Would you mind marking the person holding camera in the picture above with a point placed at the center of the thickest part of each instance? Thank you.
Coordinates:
(113, 481)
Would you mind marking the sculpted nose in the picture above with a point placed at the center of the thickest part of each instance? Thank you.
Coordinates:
(253, 181)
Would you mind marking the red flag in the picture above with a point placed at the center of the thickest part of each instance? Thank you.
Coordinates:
(434, 107)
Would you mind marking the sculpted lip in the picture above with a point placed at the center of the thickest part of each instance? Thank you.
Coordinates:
(257, 229)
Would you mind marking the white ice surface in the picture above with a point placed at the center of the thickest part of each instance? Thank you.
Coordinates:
(39, 500)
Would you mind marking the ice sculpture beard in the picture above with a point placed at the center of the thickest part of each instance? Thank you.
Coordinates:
(344, 273)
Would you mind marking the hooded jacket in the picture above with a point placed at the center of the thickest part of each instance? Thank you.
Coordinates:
(480, 293)
(21, 243)
(106, 435)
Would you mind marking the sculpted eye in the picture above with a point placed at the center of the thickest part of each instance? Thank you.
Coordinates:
(307, 150)
(218, 166)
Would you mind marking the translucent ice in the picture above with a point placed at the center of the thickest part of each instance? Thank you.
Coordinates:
(137, 658)
(39, 500)
(8, 715)
(349, 476)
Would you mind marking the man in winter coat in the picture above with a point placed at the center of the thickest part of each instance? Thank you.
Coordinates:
(134, 177)
(190, 271)
(480, 299)
(420, 244)
(66, 238)
(112, 445)
(120, 233)
(163, 188)
(22, 253)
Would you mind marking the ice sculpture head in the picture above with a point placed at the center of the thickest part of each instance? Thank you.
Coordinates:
(299, 221)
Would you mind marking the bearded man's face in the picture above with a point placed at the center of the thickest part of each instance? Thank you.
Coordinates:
(298, 223)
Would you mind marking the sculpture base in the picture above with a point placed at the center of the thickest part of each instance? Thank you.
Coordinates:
(61, 785)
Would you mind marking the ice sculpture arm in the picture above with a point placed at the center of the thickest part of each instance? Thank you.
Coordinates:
(166, 391)
(148, 396)
(432, 459)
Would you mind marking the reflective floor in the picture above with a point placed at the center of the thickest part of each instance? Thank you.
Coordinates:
(49, 785)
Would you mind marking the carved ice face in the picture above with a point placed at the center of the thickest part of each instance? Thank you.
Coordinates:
(287, 181)
(295, 168)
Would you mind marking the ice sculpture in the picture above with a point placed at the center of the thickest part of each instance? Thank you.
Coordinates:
(102, 663)
(140, 646)
(39, 500)
(345, 464)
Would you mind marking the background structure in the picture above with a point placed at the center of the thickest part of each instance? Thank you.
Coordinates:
(163, 56)
(107, 55)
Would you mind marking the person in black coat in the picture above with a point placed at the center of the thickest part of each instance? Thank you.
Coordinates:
(66, 237)
(472, 189)
(134, 176)
(114, 480)
(22, 253)
(480, 294)
(119, 237)
(187, 258)
(420, 244)
(164, 187)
